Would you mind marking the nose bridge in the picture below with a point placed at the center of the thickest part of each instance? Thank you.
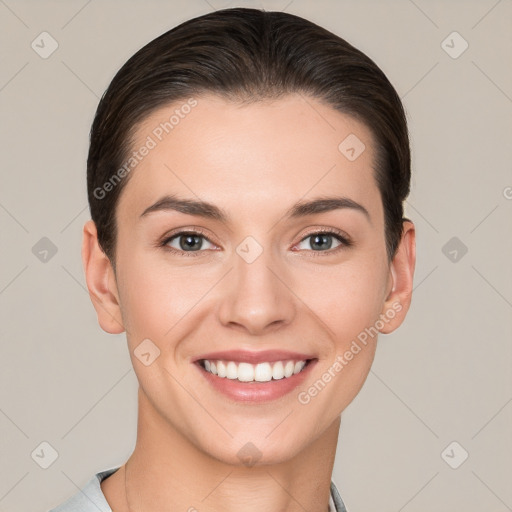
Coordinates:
(257, 297)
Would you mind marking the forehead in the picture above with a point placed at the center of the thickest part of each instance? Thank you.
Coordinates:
(265, 154)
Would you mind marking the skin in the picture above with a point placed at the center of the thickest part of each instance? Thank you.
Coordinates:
(254, 161)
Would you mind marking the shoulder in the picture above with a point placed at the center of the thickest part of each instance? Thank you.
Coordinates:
(336, 503)
(90, 498)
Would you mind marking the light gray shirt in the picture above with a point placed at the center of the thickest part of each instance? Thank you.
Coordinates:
(91, 498)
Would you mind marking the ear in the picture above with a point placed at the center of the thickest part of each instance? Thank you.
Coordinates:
(399, 289)
(101, 281)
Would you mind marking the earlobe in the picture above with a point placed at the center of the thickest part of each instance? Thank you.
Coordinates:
(101, 282)
(402, 267)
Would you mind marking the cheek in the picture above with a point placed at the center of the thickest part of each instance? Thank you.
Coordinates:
(346, 299)
(156, 295)
(348, 304)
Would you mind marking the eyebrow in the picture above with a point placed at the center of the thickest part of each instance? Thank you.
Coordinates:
(210, 211)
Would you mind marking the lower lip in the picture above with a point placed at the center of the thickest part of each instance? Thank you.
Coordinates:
(256, 391)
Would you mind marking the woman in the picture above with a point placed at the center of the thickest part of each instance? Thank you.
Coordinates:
(246, 178)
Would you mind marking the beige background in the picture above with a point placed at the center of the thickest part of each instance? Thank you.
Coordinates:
(444, 376)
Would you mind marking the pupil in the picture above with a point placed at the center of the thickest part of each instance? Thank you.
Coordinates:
(322, 241)
(191, 242)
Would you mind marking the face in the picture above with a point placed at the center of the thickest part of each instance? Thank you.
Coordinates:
(254, 279)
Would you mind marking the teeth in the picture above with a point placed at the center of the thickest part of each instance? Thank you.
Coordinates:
(261, 372)
(288, 369)
(231, 370)
(245, 372)
(221, 369)
(298, 366)
(278, 370)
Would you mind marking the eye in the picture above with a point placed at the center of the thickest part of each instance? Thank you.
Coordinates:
(186, 242)
(322, 241)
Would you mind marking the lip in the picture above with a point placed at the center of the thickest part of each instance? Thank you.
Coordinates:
(254, 357)
(255, 392)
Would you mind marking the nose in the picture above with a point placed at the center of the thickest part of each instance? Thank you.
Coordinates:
(257, 298)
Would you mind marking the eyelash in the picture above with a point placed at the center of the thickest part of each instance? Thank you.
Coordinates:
(339, 235)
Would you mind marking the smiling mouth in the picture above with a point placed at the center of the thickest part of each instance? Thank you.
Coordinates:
(261, 372)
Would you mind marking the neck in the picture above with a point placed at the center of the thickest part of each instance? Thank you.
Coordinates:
(167, 472)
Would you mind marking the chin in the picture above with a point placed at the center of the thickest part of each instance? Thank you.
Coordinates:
(257, 450)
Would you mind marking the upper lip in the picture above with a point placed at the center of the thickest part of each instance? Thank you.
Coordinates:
(254, 357)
